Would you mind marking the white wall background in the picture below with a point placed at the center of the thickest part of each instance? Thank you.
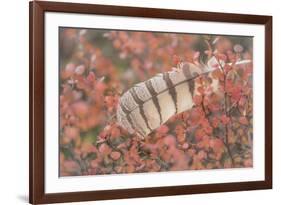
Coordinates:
(14, 100)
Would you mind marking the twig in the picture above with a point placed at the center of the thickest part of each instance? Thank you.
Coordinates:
(234, 105)
(226, 114)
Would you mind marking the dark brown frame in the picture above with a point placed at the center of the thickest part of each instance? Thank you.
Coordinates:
(37, 96)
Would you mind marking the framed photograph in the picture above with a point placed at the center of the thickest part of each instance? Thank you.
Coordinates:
(139, 102)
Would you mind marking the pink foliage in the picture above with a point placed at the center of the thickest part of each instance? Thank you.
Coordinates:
(98, 66)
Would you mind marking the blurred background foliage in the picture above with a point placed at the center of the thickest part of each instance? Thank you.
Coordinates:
(97, 66)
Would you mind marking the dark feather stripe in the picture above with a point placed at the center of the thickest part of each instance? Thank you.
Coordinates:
(191, 86)
(155, 101)
(185, 81)
(171, 89)
(140, 103)
(129, 119)
(188, 75)
(127, 112)
(186, 71)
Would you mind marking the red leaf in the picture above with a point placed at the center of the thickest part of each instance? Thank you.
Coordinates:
(243, 120)
(81, 108)
(185, 146)
(71, 132)
(216, 144)
(224, 119)
(115, 155)
(200, 90)
(217, 74)
(199, 134)
(104, 149)
(176, 60)
(215, 122)
(197, 99)
(163, 129)
(91, 77)
(100, 87)
(115, 132)
(170, 140)
(208, 129)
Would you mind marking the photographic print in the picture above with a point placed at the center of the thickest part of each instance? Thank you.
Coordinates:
(142, 101)
(130, 102)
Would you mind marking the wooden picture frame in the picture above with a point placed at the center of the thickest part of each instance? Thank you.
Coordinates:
(37, 10)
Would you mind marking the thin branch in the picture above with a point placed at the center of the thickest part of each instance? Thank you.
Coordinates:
(226, 114)
(234, 105)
